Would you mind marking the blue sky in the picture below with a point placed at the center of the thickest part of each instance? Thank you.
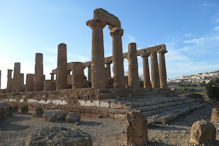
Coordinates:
(189, 28)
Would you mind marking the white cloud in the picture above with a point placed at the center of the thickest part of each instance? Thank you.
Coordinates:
(206, 4)
(216, 28)
(188, 35)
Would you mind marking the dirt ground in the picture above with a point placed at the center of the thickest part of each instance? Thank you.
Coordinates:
(105, 132)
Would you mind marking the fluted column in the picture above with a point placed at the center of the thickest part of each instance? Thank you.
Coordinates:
(38, 76)
(98, 78)
(18, 80)
(162, 69)
(9, 82)
(52, 76)
(62, 73)
(118, 67)
(89, 72)
(108, 69)
(146, 74)
(154, 70)
(29, 82)
(133, 78)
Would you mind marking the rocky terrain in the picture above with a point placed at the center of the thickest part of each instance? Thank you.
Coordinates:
(104, 132)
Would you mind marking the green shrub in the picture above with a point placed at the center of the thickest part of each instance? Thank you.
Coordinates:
(213, 89)
(195, 95)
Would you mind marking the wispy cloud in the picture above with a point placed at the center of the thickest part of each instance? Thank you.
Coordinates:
(216, 28)
(131, 38)
(207, 4)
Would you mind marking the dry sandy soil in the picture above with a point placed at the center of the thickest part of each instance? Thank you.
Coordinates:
(105, 132)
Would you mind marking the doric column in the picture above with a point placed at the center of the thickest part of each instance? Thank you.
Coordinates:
(89, 72)
(154, 70)
(38, 76)
(146, 74)
(18, 80)
(118, 67)
(133, 78)
(98, 78)
(9, 82)
(78, 77)
(162, 69)
(52, 76)
(62, 73)
(108, 69)
(29, 82)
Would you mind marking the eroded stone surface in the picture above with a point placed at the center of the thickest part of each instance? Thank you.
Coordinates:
(215, 115)
(5, 110)
(55, 115)
(72, 118)
(24, 109)
(39, 112)
(202, 132)
(59, 136)
(137, 130)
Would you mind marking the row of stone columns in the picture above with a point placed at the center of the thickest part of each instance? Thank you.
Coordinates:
(98, 72)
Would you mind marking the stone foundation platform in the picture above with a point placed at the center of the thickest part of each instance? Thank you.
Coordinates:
(157, 105)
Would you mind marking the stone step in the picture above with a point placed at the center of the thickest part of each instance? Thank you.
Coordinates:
(152, 101)
(173, 112)
(163, 105)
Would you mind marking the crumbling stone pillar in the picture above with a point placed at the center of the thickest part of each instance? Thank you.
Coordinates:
(108, 69)
(9, 82)
(133, 78)
(29, 82)
(154, 70)
(118, 67)
(146, 74)
(62, 74)
(18, 80)
(162, 69)
(52, 76)
(39, 77)
(97, 65)
(78, 77)
(89, 72)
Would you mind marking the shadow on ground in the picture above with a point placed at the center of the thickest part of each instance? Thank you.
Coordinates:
(8, 124)
(151, 143)
(89, 123)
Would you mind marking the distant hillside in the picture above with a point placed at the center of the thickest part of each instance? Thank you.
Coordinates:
(196, 78)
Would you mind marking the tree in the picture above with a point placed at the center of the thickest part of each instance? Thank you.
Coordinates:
(213, 89)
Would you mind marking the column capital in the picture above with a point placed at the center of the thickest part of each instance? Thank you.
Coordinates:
(163, 51)
(114, 31)
(108, 62)
(145, 55)
(94, 23)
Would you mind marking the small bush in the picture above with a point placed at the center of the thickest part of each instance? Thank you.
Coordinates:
(195, 95)
(213, 89)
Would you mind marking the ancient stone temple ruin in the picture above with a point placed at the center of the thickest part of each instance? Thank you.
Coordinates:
(101, 93)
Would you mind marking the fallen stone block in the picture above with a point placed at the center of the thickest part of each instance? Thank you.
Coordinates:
(39, 112)
(137, 129)
(5, 111)
(59, 136)
(72, 118)
(215, 115)
(14, 108)
(55, 115)
(202, 132)
(24, 109)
